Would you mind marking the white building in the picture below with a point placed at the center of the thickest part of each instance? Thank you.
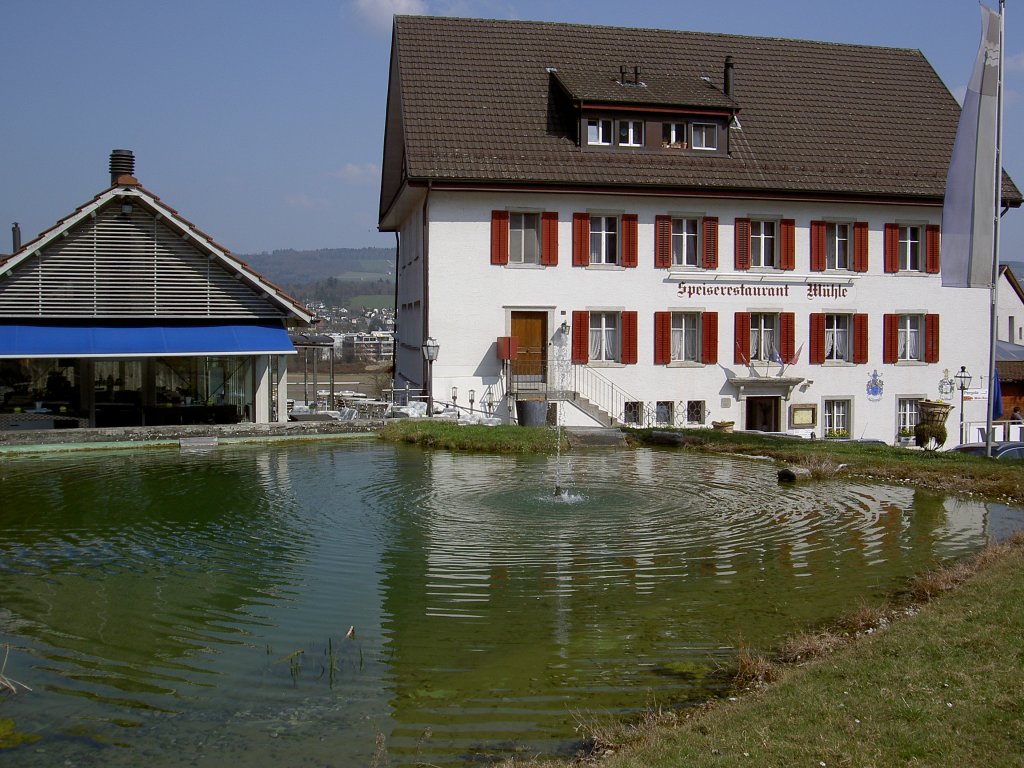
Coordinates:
(665, 227)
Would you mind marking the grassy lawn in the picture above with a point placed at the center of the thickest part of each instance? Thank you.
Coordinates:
(442, 433)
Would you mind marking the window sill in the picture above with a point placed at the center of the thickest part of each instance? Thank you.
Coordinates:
(911, 363)
(510, 265)
(684, 364)
(606, 364)
(606, 267)
(839, 363)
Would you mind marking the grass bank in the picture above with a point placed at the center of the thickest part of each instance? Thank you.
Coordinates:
(940, 687)
(442, 433)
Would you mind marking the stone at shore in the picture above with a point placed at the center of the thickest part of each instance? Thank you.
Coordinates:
(794, 474)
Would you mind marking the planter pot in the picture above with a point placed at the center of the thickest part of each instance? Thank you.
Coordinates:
(934, 412)
(723, 426)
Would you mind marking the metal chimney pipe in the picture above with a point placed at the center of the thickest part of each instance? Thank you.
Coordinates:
(15, 237)
(728, 75)
(122, 163)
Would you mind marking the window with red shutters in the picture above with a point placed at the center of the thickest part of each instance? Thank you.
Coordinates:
(662, 338)
(629, 338)
(709, 337)
(816, 356)
(787, 342)
(741, 236)
(860, 338)
(662, 241)
(629, 240)
(860, 246)
(580, 239)
(931, 264)
(549, 239)
(892, 248)
(931, 338)
(818, 229)
(499, 237)
(787, 244)
(580, 337)
(890, 338)
(741, 336)
(710, 245)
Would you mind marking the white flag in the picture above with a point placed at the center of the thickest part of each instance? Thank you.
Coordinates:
(969, 209)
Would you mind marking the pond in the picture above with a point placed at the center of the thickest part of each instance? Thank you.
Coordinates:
(175, 609)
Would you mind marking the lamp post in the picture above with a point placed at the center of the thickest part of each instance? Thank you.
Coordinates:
(963, 381)
(455, 401)
(430, 348)
(472, 398)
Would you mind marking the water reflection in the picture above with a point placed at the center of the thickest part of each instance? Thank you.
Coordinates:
(192, 609)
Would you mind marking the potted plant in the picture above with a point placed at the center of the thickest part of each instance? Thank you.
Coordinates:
(836, 434)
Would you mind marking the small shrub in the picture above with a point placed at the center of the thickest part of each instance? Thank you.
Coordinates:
(925, 433)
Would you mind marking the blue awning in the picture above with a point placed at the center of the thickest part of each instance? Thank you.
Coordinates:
(143, 340)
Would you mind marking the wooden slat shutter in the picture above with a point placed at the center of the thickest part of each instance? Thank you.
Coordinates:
(629, 239)
(890, 338)
(580, 239)
(628, 338)
(931, 338)
(787, 342)
(816, 356)
(662, 338)
(710, 245)
(787, 244)
(709, 337)
(931, 261)
(549, 238)
(860, 246)
(818, 230)
(741, 335)
(892, 247)
(742, 244)
(499, 237)
(662, 241)
(860, 338)
(580, 337)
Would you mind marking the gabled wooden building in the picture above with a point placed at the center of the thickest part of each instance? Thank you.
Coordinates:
(124, 313)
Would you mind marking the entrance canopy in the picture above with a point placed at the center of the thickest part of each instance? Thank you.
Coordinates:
(34, 340)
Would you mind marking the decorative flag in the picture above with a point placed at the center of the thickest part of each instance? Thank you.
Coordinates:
(995, 397)
(969, 209)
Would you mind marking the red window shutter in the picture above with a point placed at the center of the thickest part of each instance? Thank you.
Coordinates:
(580, 239)
(662, 241)
(580, 337)
(931, 338)
(816, 356)
(710, 242)
(741, 333)
(629, 239)
(931, 262)
(890, 338)
(499, 237)
(892, 247)
(549, 238)
(662, 338)
(787, 344)
(860, 338)
(628, 339)
(818, 229)
(860, 246)
(709, 337)
(787, 244)
(742, 245)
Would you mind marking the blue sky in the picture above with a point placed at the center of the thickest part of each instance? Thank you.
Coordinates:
(262, 121)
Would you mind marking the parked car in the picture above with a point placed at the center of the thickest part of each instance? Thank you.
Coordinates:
(1011, 449)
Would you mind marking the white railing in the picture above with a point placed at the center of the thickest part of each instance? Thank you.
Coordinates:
(974, 431)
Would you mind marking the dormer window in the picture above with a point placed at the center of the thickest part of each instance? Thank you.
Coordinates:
(631, 133)
(673, 136)
(705, 136)
(599, 132)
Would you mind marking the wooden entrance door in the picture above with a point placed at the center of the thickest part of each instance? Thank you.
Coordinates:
(763, 413)
(530, 330)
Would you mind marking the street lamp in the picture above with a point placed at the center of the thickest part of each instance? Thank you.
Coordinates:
(963, 381)
(455, 401)
(430, 348)
(472, 399)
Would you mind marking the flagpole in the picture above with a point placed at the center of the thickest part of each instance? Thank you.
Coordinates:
(994, 308)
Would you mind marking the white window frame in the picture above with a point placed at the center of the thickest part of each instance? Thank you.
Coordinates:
(674, 135)
(700, 134)
(523, 238)
(685, 337)
(910, 338)
(908, 414)
(685, 241)
(599, 132)
(836, 418)
(605, 342)
(764, 337)
(911, 248)
(837, 245)
(633, 133)
(838, 338)
(604, 239)
(764, 243)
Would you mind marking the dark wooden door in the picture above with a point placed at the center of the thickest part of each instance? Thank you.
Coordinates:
(763, 413)
(530, 330)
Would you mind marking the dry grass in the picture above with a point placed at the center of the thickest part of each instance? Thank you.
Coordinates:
(753, 669)
(7, 684)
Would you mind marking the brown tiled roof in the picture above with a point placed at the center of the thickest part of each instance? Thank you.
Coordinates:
(479, 105)
(675, 88)
(1010, 370)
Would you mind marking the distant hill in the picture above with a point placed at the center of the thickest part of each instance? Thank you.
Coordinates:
(296, 268)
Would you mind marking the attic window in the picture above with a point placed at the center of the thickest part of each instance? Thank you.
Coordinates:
(599, 132)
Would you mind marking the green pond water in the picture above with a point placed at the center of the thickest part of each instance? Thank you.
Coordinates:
(191, 609)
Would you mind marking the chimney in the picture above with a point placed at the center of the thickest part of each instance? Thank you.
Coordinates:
(122, 163)
(622, 74)
(15, 237)
(636, 74)
(728, 75)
